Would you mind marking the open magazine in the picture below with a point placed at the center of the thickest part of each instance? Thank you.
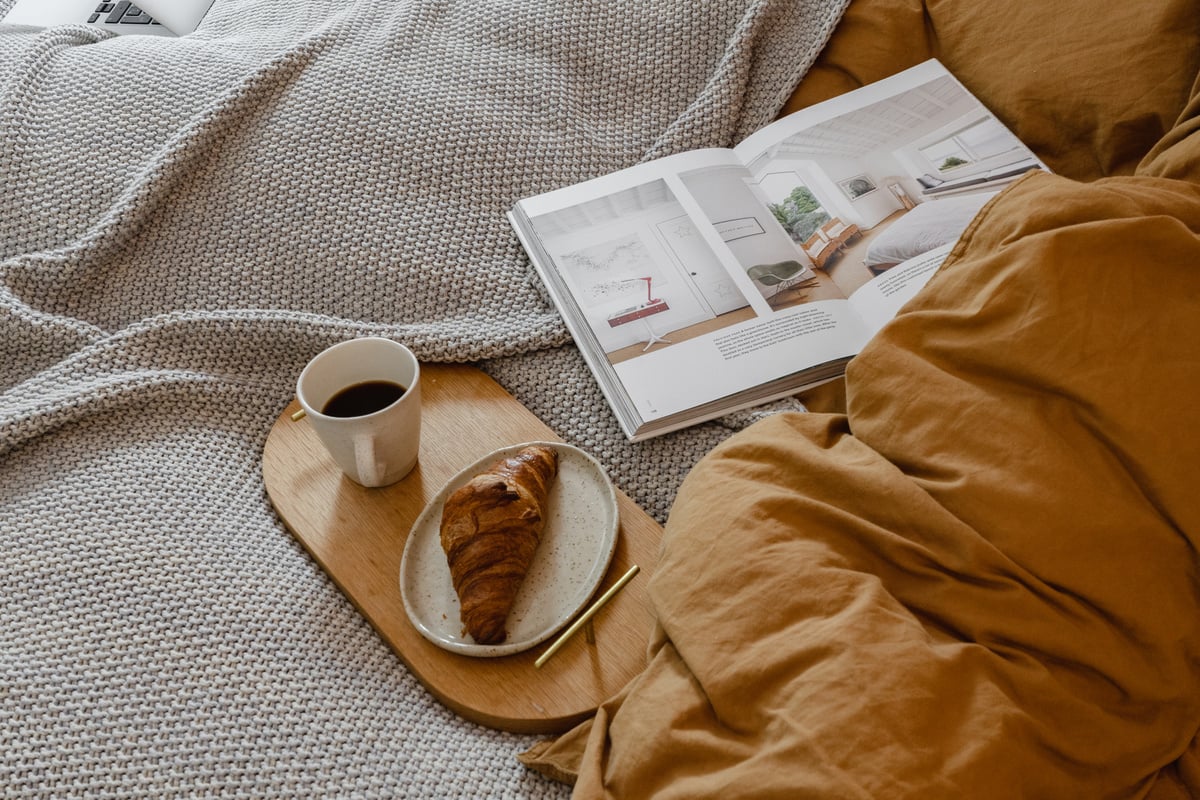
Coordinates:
(715, 280)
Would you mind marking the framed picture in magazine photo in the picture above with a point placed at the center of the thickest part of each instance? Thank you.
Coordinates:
(858, 186)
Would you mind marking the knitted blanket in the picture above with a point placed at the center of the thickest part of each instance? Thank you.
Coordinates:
(183, 223)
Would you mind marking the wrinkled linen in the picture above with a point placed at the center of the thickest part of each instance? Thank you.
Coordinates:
(1090, 104)
(981, 581)
(976, 575)
(183, 223)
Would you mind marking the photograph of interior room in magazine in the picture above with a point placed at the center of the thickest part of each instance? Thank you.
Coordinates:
(707, 273)
(884, 179)
(667, 265)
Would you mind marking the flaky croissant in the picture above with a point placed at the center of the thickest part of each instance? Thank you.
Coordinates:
(491, 527)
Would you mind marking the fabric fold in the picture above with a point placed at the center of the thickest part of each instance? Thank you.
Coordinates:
(980, 580)
(184, 223)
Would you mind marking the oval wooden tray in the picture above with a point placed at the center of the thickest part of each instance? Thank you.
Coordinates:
(357, 535)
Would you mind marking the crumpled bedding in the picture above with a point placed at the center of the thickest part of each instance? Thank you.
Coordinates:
(183, 224)
(978, 577)
(979, 582)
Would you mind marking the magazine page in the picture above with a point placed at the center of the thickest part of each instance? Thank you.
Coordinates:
(876, 185)
(800, 343)
(682, 286)
(691, 227)
(878, 301)
(715, 279)
(906, 249)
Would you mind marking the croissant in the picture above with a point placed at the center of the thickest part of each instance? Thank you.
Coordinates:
(490, 529)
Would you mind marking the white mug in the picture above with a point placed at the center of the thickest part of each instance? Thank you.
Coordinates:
(375, 444)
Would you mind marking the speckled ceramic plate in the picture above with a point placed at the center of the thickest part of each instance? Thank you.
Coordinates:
(571, 559)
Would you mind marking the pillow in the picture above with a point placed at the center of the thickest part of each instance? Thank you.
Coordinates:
(1090, 86)
(874, 39)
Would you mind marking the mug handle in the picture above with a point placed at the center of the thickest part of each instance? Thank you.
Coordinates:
(365, 462)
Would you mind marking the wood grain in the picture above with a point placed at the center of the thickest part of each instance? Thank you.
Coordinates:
(357, 535)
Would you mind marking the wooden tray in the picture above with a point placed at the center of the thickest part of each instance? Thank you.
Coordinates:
(357, 535)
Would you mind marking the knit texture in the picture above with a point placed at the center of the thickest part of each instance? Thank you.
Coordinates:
(183, 224)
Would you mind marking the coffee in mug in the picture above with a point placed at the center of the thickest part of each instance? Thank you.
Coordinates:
(363, 399)
(360, 399)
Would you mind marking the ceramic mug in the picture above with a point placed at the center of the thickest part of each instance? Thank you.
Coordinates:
(363, 399)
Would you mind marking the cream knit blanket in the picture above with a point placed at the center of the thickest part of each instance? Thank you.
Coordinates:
(183, 223)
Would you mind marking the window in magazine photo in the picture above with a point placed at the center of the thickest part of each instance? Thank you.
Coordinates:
(941, 153)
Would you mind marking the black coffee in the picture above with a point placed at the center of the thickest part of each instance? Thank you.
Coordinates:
(364, 398)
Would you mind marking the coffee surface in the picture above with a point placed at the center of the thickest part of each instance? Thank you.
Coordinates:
(360, 399)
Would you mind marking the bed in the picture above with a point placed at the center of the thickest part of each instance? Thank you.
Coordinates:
(184, 222)
(927, 226)
(968, 570)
